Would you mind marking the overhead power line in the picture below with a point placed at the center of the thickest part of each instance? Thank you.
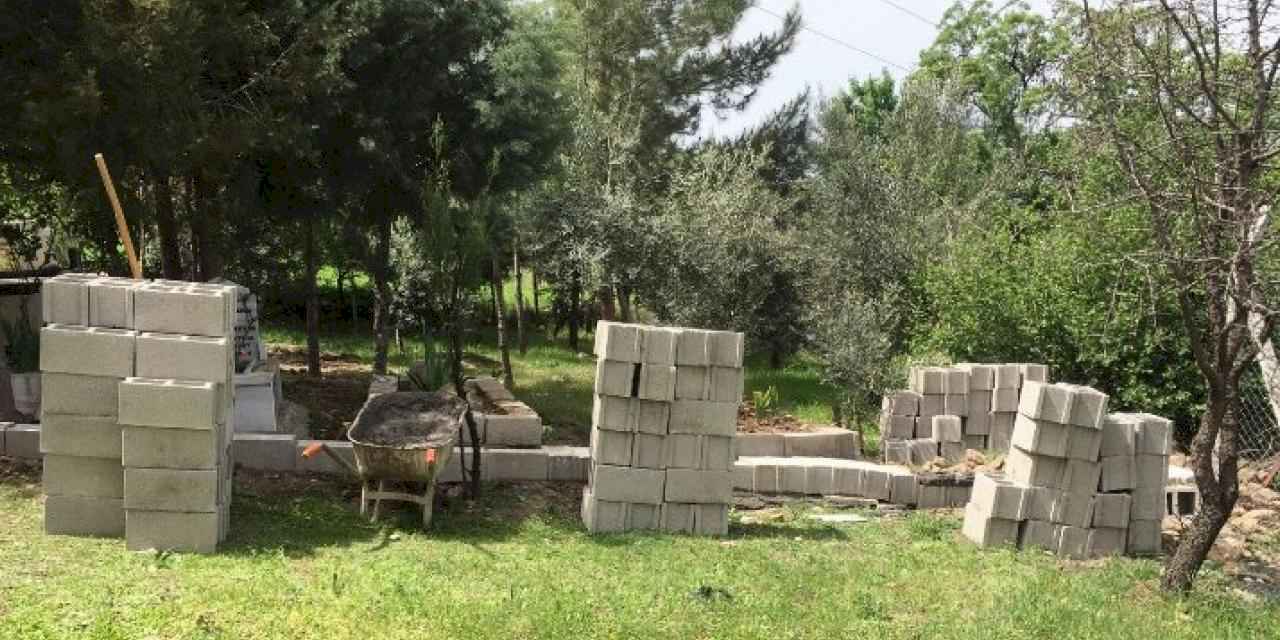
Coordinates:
(835, 40)
(911, 13)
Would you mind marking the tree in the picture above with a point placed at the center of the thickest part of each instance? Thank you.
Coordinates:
(1183, 95)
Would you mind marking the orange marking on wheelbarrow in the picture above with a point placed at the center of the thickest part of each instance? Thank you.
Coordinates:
(430, 456)
(312, 450)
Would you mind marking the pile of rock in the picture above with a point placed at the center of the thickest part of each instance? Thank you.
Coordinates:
(665, 412)
(138, 399)
(1071, 478)
(947, 410)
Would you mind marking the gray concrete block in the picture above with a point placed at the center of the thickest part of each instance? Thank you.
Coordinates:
(618, 341)
(513, 430)
(927, 380)
(703, 418)
(1119, 435)
(1072, 509)
(1119, 473)
(185, 310)
(22, 441)
(875, 482)
(513, 465)
(901, 403)
(1049, 402)
(848, 480)
(1083, 443)
(699, 487)
(923, 450)
(1036, 533)
(978, 413)
(819, 479)
(1151, 471)
(647, 451)
(322, 463)
(986, 531)
(725, 349)
(82, 436)
(996, 496)
(170, 448)
(1007, 376)
(958, 495)
(658, 345)
(951, 452)
(644, 517)
(78, 516)
(4, 426)
(266, 451)
(1144, 538)
(1147, 504)
(624, 484)
(1106, 541)
(982, 377)
(765, 477)
(652, 417)
(955, 381)
(693, 383)
(790, 475)
(1041, 437)
(932, 405)
(1155, 435)
(947, 428)
(711, 519)
(1088, 406)
(826, 443)
(1030, 372)
(679, 518)
(188, 491)
(615, 378)
(1039, 502)
(691, 348)
(902, 487)
(975, 442)
(568, 464)
(657, 382)
(924, 427)
(464, 433)
(613, 413)
(758, 444)
(83, 477)
(1081, 476)
(1035, 470)
(184, 357)
(1001, 435)
(744, 476)
(1004, 400)
(931, 496)
(172, 531)
(172, 404)
(955, 404)
(1073, 542)
(111, 303)
(682, 451)
(91, 351)
(895, 451)
(64, 299)
(72, 394)
(727, 384)
(717, 453)
(1111, 510)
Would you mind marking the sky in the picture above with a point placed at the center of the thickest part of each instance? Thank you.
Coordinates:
(876, 26)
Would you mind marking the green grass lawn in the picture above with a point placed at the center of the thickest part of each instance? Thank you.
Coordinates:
(518, 565)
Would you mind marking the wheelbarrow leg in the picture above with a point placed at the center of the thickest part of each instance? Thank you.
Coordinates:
(377, 502)
(364, 497)
(428, 503)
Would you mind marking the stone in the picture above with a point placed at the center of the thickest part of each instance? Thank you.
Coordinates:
(1033, 373)
(1004, 400)
(265, 451)
(986, 531)
(1119, 435)
(996, 496)
(65, 393)
(711, 519)
(1088, 406)
(513, 430)
(1144, 538)
(613, 413)
(1081, 476)
(693, 383)
(169, 531)
(188, 491)
(691, 348)
(679, 518)
(955, 404)
(951, 452)
(1072, 509)
(647, 451)
(111, 303)
(1036, 533)
(657, 382)
(1106, 541)
(83, 436)
(1119, 473)
(514, 465)
(1152, 471)
(90, 351)
(705, 418)
(643, 517)
(901, 403)
(568, 464)
(724, 349)
(1110, 510)
(1048, 402)
(80, 516)
(615, 379)
(726, 384)
(682, 451)
(624, 484)
(658, 345)
(22, 441)
(1041, 437)
(611, 447)
(819, 480)
(652, 417)
(1083, 443)
(982, 377)
(1007, 376)
(618, 341)
(826, 443)
(173, 404)
(64, 299)
(758, 444)
(932, 405)
(193, 310)
(1035, 470)
(83, 477)
(947, 428)
(717, 453)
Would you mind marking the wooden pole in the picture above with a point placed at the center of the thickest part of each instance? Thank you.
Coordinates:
(122, 227)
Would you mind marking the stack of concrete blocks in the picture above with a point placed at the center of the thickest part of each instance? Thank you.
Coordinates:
(666, 408)
(1135, 467)
(926, 421)
(161, 352)
(1007, 381)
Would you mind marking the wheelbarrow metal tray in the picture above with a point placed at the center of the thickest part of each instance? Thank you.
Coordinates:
(394, 432)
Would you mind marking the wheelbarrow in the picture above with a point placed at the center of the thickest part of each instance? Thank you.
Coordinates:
(401, 437)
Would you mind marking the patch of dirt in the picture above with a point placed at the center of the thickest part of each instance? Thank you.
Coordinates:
(973, 462)
(749, 421)
(19, 472)
(335, 398)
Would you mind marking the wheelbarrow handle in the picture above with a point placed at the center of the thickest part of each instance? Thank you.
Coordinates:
(311, 450)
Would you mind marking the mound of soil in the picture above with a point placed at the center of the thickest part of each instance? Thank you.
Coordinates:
(749, 421)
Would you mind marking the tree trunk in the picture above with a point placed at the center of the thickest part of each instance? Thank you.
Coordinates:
(605, 296)
(624, 303)
(537, 312)
(382, 295)
(522, 339)
(776, 357)
(167, 227)
(206, 228)
(575, 306)
(504, 349)
(459, 386)
(313, 297)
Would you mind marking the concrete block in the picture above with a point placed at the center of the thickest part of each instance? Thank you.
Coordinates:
(658, 345)
(978, 413)
(951, 452)
(1106, 541)
(679, 518)
(976, 442)
(725, 349)
(1073, 543)
(985, 531)
(897, 427)
(931, 496)
(1119, 473)
(600, 516)
(982, 377)
(958, 495)
(78, 516)
(895, 451)
(1033, 373)
(1001, 436)
(189, 310)
(173, 404)
(682, 451)
(758, 444)
(322, 463)
(1039, 502)
(150, 447)
(1004, 400)
(171, 531)
(875, 482)
(618, 341)
(693, 383)
(764, 477)
(1111, 510)
(644, 517)
(1155, 435)
(111, 303)
(927, 380)
(955, 404)
(184, 357)
(699, 487)
(652, 417)
(1006, 376)
(1144, 538)
(1147, 504)
(513, 430)
(744, 476)
(464, 432)
(514, 465)
(568, 464)
(615, 378)
(65, 393)
(90, 351)
(1152, 471)
(996, 496)
(1081, 476)
(265, 451)
(955, 381)
(188, 491)
(65, 299)
(657, 382)
(703, 418)
(1119, 435)
(1088, 406)
(902, 487)
(932, 405)
(648, 451)
(613, 413)
(819, 480)
(83, 477)
(1036, 533)
(826, 443)
(691, 348)
(21, 440)
(711, 519)
(1035, 470)
(790, 476)
(624, 484)
(1041, 437)
(1083, 443)
(1042, 401)
(901, 403)
(848, 480)
(611, 447)
(923, 427)
(947, 428)
(1072, 509)
(923, 450)
(717, 453)
(82, 436)
(726, 384)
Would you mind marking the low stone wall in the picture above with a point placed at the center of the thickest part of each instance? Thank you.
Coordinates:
(826, 442)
